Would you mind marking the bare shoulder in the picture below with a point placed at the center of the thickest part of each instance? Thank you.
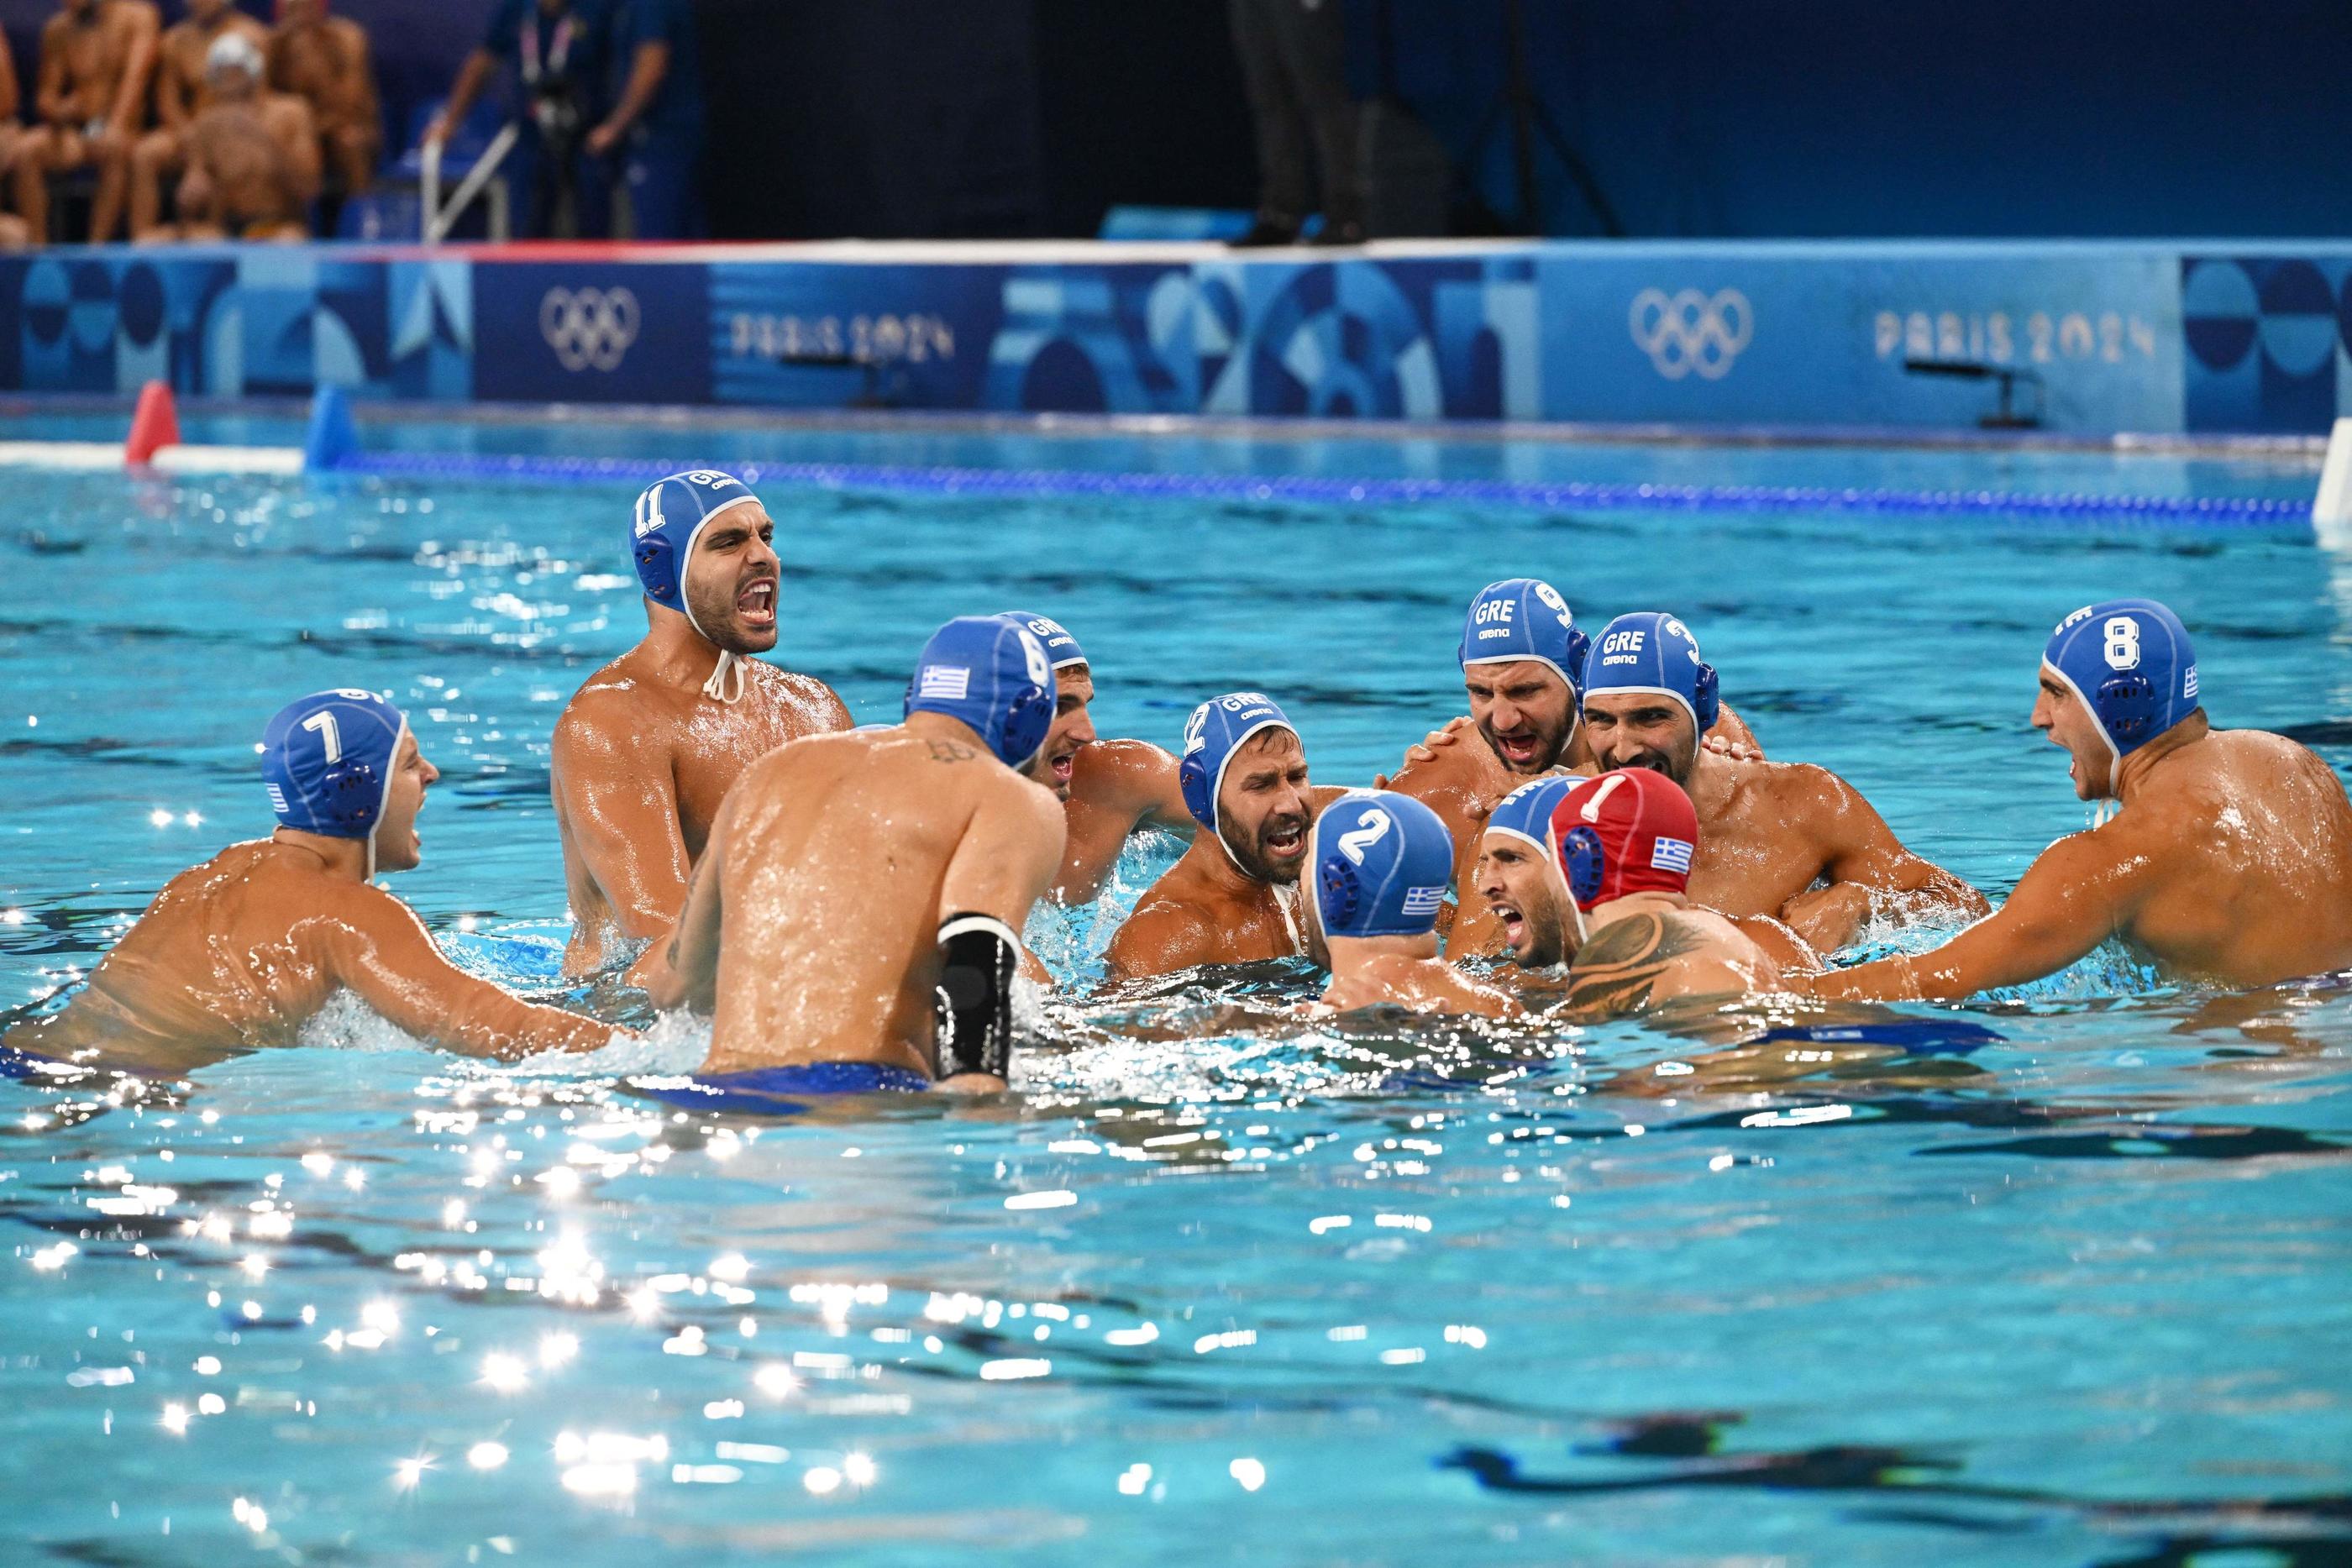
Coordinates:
(1164, 932)
(1028, 803)
(1619, 966)
(814, 701)
(1124, 769)
(1449, 776)
(610, 705)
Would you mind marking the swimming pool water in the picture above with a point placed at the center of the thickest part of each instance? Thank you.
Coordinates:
(1221, 1284)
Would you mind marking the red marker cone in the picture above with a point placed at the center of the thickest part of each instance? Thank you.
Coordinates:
(157, 424)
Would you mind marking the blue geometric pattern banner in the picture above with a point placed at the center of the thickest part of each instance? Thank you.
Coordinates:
(2106, 337)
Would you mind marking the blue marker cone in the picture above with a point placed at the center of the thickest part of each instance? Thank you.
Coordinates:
(333, 436)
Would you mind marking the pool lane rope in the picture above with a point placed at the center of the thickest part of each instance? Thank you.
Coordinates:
(1316, 489)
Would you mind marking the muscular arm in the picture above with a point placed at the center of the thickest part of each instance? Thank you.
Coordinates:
(142, 25)
(648, 68)
(353, 100)
(471, 76)
(1860, 852)
(298, 142)
(1160, 937)
(618, 805)
(2082, 890)
(1003, 865)
(50, 90)
(1160, 797)
(173, 93)
(375, 945)
(685, 969)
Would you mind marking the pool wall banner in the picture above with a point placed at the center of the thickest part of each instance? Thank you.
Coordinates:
(2103, 336)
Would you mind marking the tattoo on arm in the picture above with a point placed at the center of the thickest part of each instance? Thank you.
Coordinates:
(951, 751)
(1615, 970)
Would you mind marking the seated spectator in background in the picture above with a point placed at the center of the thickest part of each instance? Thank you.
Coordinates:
(13, 230)
(558, 51)
(253, 156)
(323, 60)
(656, 119)
(96, 59)
(182, 91)
(1294, 55)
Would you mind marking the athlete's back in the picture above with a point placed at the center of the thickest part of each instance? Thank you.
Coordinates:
(832, 865)
(2244, 841)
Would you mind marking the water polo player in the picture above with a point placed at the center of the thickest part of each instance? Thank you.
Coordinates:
(1382, 865)
(854, 923)
(2228, 860)
(649, 745)
(1785, 838)
(1623, 844)
(1108, 788)
(1232, 897)
(243, 950)
(1522, 657)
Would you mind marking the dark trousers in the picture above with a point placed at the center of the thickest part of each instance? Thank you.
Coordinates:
(560, 196)
(1294, 65)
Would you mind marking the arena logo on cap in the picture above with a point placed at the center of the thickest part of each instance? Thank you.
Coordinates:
(1690, 330)
(589, 328)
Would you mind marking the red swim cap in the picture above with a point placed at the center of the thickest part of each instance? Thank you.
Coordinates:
(1631, 830)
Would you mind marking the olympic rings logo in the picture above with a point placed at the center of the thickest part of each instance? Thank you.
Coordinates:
(1689, 332)
(589, 327)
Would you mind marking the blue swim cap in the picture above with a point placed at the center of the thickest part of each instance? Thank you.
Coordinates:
(2129, 662)
(1212, 735)
(1062, 650)
(991, 674)
(1524, 618)
(1382, 862)
(670, 517)
(1650, 651)
(1526, 811)
(326, 760)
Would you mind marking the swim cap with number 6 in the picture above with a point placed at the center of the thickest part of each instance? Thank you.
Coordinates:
(993, 675)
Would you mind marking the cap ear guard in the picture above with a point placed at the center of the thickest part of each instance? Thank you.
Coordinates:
(1026, 723)
(1192, 778)
(2127, 705)
(658, 569)
(1587, 864)
(1341, 890)
(1706, 704)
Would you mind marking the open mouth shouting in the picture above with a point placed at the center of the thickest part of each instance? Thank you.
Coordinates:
(1515, 921)
(1284, 839)
(1523, 749)
(755, 606)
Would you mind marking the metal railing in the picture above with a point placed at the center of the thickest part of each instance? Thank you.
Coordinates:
(482, 178)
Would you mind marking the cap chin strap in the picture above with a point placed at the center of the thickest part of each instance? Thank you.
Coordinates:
(717, 687)
(1285, 899)
(2114, 752)
(385, 798)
